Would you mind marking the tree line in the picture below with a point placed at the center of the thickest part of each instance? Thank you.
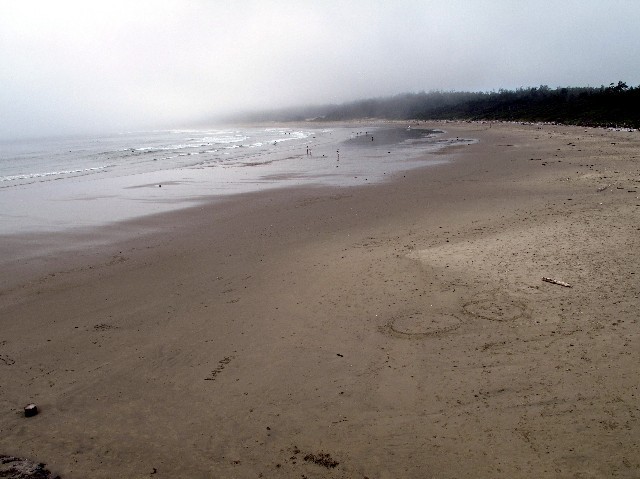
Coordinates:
(616, 105)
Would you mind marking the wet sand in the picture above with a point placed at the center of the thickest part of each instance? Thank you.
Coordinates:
(392, 330)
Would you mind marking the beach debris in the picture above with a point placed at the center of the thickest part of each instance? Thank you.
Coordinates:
(556, 281)
(322, 459)
(7, 360)
(30, 410)
(17, 468)
(221, 365)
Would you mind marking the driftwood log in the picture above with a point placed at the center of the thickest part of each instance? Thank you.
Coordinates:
(555, 281)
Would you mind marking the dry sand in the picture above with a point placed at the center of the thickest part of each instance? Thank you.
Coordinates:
(385, 331)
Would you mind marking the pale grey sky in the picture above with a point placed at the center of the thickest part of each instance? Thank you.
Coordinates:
(112, 65)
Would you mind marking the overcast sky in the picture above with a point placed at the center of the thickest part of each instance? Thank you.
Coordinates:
(89, 66)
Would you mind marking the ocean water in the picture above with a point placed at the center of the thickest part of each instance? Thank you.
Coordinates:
(62, 184)
(39, 160)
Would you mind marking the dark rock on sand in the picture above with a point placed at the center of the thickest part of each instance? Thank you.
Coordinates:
(16, 468)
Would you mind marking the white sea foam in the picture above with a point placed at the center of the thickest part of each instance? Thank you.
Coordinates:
(224, 139)
(198, 143)
(30, 176)
(168, 147)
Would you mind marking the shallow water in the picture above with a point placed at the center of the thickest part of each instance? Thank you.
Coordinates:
(65, 184)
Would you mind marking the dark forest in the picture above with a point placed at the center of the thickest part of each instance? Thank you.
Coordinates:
(616, 105)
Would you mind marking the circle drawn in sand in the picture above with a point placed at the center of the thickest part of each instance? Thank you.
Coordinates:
(495, 306)
(419, 325)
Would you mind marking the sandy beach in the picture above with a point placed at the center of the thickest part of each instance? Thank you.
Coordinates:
(393, 330)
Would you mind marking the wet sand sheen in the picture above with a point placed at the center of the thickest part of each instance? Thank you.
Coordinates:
(394, 330)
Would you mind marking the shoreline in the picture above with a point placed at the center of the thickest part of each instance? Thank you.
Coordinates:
(120, 191)
(23, 251)
(402, 328)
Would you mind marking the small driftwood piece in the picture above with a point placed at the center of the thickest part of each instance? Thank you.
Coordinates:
(555, 281)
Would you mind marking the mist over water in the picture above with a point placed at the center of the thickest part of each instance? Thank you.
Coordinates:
(72, 67)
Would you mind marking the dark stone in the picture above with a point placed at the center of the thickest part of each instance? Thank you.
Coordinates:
(16, 468)
(30, 410)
